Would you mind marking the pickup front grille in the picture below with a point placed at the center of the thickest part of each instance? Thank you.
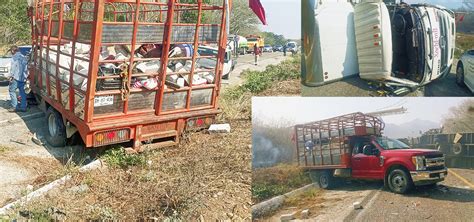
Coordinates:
(436, 163)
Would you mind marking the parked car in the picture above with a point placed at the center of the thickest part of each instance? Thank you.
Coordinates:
(229, 62)
(267, 48)
(465, 70)
(292, 47)
(278, 48)
(5, 61)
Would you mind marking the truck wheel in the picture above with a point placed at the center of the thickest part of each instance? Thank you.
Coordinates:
(399, 181)
(56, 135)
(325, 180)
(457, 149)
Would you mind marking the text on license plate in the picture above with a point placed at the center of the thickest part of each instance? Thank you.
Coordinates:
(103, 101)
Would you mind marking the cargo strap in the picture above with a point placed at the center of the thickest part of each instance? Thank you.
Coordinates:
(125, 89)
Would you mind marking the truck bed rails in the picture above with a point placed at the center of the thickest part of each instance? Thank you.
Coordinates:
(129, 67)
(325, 143)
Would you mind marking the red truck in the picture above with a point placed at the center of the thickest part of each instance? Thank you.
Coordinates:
(352, 146)
(117, 71)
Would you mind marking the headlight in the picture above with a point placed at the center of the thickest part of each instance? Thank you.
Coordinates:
(419, 162)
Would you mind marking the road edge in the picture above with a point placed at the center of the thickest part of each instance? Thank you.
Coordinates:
(46, 188)
(264, 207)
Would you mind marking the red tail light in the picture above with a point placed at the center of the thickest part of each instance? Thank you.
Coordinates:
(111, 137)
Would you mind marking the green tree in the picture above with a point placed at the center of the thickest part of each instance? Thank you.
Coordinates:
(14, 22)
(274, 39)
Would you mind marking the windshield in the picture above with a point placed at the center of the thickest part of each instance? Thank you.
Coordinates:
(291, 45)
(252, 40)
(391, 144)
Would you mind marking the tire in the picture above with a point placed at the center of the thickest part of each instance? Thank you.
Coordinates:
(460, 74)
(56, 132)
(325, 180)
(399, 181)
(457, 149)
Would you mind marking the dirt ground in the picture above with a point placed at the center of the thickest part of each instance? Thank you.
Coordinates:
(326, 205)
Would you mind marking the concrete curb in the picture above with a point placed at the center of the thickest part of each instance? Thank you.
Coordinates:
(274, 203)
(43, 190)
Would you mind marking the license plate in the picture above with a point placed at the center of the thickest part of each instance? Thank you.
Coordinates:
(103, 101)
(441, 175)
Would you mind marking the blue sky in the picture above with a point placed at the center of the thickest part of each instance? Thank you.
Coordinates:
(283, 17)
(452, 4)
(277, 110)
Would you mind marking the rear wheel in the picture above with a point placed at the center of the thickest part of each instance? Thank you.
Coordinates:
(56, 133)
(323, 178)
(460, 75)
(399, 181)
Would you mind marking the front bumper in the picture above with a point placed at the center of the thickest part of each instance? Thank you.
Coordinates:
(428, 177)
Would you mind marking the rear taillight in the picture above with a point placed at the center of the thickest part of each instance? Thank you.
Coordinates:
(199, 123)
(111, 137)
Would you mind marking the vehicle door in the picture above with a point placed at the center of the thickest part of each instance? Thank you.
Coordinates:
(365, 162)
(227, 63)
(469, 69)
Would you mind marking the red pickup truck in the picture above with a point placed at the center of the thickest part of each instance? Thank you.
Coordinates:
(352, 146)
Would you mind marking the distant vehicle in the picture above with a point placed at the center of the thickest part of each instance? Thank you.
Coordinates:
(242, 45)
(5, 61)
(229, 62)
(465, 70)
(352, 146)
(278, 48)
(292, 47)
(400, 45)
(254, 39)
(267, 48)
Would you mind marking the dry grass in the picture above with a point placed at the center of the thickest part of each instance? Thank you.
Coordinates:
(273, 181)
(464, 42)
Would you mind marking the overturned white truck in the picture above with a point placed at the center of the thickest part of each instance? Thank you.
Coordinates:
(398, 44)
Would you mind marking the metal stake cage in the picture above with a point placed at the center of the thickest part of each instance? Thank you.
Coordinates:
(330, 138)
(121, 70)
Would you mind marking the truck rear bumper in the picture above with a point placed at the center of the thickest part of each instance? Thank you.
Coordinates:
(428, 177)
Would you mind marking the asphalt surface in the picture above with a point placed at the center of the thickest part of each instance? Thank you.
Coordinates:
(24, 163)
(247, 61)
(357, 87)
(450, 200)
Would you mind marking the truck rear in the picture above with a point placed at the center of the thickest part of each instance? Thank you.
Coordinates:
(352, 146)
(253, 40)
(116, 71)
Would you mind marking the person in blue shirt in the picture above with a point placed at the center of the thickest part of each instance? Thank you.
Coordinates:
(19, 74)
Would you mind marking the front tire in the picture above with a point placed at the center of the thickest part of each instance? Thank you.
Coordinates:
(399, 181)
(56, 133)
(460, 75)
